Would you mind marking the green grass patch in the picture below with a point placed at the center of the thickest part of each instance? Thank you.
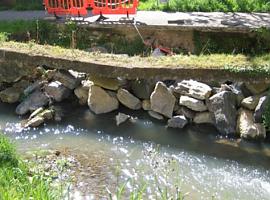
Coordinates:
(238, 63)
(22, 5)
(16, 182)
(207, 5)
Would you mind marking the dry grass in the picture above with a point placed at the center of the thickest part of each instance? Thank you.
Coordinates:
(221, 61)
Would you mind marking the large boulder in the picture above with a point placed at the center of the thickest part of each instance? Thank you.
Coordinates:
(14, 93)
(106, 83)
(128, 99)
(82, 92)
(260, 109)
(223, 107)
(34, 101)
(203, 118)
(142, 88)
(69, 79)
(250, 102)
(193, 104)
(101, 101)
(193, 89)
(178, 121)
(162, 100)
(155, 115)
(247, 128)
(57, 91)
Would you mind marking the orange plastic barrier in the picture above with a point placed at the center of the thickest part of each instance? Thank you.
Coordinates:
(80, 7)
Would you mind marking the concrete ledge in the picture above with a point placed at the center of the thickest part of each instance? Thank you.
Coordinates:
(26, 61)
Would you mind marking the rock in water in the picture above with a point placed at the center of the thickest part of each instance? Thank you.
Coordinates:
(193, 104)
(155, 115)
(162, 100)
(34, 101)
(146, 105)
(35, 122)
(223, 107)
(121, 118)
(142, 88)
(128, 99)
(68, 79)
(250, 102)
(101, 101)
(193, 89)
(178, 121)
(260, 109)
(57, 91)
(82, 92)
(247, 128)
(203, 118)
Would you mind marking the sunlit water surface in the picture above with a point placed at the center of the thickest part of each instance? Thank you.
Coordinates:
(190, 160)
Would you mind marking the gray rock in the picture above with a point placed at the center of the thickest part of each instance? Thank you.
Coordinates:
(101, 101)
(223, 107)
(67, 79)
(82, 92)
(34, 101)
(203, 118)
(128, 99)
(34, 122)
(146, 105)
(155, 115)
(121, 118)
(260, 109)
(188, 113)
(193, 89)
(193, 104)
(142, 88)
(162, 100)
(247, 128)
(250, 102)
(178, 121)
(57, 91)
(106, 83)
(37, 85)
(13, 94)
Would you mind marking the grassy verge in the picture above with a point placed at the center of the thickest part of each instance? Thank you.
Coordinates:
(237, 63)
(15, 180)
(207, 5)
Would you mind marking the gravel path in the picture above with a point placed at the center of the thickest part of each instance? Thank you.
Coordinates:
(158, 18)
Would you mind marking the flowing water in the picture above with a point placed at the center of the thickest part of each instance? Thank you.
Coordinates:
(194, 160)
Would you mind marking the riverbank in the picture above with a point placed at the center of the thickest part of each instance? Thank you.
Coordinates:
(235, 108)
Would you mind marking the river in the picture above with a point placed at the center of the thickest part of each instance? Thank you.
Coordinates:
(196, 159)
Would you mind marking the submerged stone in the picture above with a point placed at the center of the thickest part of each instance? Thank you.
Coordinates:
(178, 121)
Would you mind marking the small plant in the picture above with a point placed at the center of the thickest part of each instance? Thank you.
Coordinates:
(3, 37)
(7, 153)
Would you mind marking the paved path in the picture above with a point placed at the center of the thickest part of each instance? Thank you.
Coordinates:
(177, 19)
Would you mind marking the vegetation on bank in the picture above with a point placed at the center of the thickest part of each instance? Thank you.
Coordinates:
(174, 5)
(16, 181)
(237, 63)
(207, 5)
(22, 5)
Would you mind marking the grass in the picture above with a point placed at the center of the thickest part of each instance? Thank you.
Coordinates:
(16, 182)
(25, 5)
(207, 5)
(237, 63)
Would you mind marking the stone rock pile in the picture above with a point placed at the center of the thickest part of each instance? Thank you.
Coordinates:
(233, 108)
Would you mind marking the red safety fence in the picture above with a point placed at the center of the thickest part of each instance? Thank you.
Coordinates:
(80, 7)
